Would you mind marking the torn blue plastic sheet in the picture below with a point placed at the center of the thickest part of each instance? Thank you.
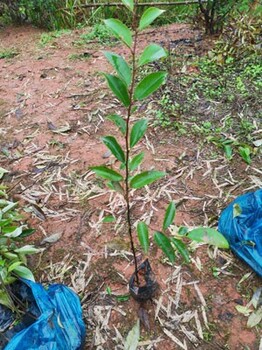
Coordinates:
(241, 224)
(56, 319)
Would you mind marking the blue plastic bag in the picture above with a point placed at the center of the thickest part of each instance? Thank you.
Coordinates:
(244, 231)
(58, 323)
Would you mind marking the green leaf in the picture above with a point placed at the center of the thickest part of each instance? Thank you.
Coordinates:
(16, 233)
(115, 185)
(9, 255)
(27, 232)
(10, 206)
(169, 215)
(182, 231)
(119, 122)
(138, 131)
(243, 310)
(164, 244)
(114, 147)
(149, 85)
(146, 178)
(24, 272)
(27, 249)
(8, 229)
(136, 161)
(121, 298)
(149, 16)
(2, 172)
(245, 154)
(151, 53)
(119, 88)
(14, 265)
(108, 219)
(122, 68)
(6, 300)
(133, 336)
(120, 30)
(209, 236)
(129, 4)
(142, 232)
(107, 173)
(255, 318)
(108, 290)
(182, 248)
(228, 151)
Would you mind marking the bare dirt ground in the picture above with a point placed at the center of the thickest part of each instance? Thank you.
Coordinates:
(53, 112)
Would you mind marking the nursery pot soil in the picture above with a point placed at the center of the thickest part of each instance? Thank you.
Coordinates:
(147, 283)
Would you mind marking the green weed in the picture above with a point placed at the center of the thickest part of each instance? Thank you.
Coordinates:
(8, 53)
(79, 56)
(99, 33)
(221, 98)
(47, 38)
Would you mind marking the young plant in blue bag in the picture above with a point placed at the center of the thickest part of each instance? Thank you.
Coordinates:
(13, 255)
(129, 92)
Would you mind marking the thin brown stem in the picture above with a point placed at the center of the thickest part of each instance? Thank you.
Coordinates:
(129, 112)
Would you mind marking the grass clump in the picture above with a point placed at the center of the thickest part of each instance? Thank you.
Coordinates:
(8, 53)
(47, 38)
(99, 33)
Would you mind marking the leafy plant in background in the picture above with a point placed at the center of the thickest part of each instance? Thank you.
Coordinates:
(215, 13)
(13, 254)
(129, 92)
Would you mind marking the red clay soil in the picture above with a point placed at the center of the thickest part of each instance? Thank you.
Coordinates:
(53, 113)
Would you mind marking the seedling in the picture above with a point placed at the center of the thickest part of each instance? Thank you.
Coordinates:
(129, 92)
(13, 255)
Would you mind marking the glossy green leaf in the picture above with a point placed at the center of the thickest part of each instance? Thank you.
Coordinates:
(122, 68)
(169, 215)
(112, 144)
(142, 232)
(107, 173)
(245, 154)
(146, 178)
(149, 85)
(24, 272)
(122, 298)
(182, 231)
(120, 30)
(164, 244)
(27, 232)
(152, 53)
(228, 151)
(209, 236)
(182, 248)
(138, 131)
(9, 255)
(108, 219)
(129, 4)
(119, 88)
(136, 161)
(16, 233)
(8, 229)
(119, 122)
(14, 265)
(149, 16)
